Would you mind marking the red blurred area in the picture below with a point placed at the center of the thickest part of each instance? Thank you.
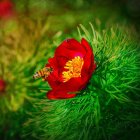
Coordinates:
(2, 85)
(6, 9)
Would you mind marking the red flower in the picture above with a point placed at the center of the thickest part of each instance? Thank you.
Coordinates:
(72, 67)
(2, 85)
(6, 8)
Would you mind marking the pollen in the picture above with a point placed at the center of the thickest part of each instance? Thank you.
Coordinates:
(73, 68)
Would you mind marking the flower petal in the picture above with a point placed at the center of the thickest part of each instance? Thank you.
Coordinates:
(59, 95)
(74, 84)
(69, 49)
(88, 59)
(76, 46)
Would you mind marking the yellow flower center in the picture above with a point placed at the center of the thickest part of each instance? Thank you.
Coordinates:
(74, 68)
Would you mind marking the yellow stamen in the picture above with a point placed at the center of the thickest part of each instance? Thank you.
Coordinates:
(74, 68)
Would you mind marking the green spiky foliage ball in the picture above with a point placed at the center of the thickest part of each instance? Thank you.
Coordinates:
(109, 106)
(21, 56)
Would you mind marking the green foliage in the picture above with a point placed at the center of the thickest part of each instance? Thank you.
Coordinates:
(109, 106)
(19, 61)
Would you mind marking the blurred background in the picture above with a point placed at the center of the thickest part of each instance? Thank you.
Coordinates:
(30, 30)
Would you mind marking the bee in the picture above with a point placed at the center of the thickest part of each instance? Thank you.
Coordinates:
(44, 73)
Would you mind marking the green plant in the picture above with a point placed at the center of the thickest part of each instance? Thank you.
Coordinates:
(108, 107)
